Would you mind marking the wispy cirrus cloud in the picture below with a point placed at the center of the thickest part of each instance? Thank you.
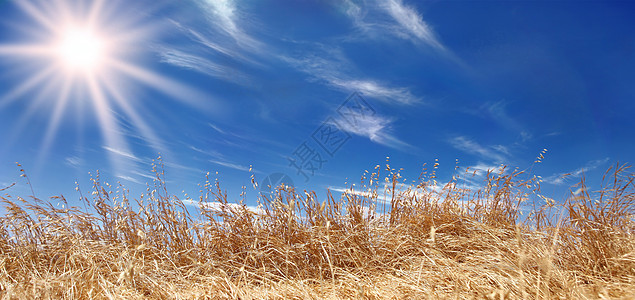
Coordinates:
(561, 178)
(145, 175)
(209, 40)
(480, 169)
(230, 165)
(73, 161)
(492, 153)
(497, 112)
(379, 196)
(215, 127)
(129, 178)
(217, 206)
(212, 153)
(122, 153)
(183, 167)
(221, 44)
(331, 67)
(200, 64)
(411, 22)
(381, 18)
(374, 127)
(225, 15)
(377, 90)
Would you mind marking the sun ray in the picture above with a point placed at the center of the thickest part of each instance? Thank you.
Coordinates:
(167, 86)
(51, 130)
(24, 50)
(37, 14)
(108, 127)
(15, 93)
(94, 12)
(137, 120)
(34, 106)
(81, 50)
(76, 52)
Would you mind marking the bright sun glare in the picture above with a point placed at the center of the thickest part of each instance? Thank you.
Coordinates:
(81, 49)
(82, 52)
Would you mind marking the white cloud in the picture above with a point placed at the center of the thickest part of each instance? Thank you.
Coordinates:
(212, 153)
(230, 165)
(493, 153)
(217, 206)
(216, 128)
(145, 175)
(189, 61)
(182, 167)
(377, 90)
(379, 197)
(221, 44)
(330, 66)
(561, 178)
(225, 15)
(197, 63)
(501, 149)
(122, 153)
(482, 168)
(73, 161)
(128, 178)
(411, 22)
(209, 41)
(497, 112)
(381, 18)
(373, 127)
(383, 195)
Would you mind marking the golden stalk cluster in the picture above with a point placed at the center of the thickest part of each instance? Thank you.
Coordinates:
(384, 240)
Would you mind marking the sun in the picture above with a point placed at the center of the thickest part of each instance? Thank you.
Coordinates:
(82, 57)
(81, 50)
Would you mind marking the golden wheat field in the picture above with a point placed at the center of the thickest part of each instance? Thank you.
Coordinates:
(383, 240)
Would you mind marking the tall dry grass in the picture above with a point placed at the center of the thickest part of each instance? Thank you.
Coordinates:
(382, 240)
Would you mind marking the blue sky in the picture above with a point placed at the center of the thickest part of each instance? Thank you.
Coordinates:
(317, 90)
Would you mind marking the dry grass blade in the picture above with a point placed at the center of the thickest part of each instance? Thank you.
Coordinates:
(421, 241)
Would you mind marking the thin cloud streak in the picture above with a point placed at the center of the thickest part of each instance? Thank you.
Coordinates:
(122, 153)
(465, 144)
(379, 197)
(375, 128)
(198, 63)
(73, 161)
(377, 90)
(221, 43)
(411, 21)
(205, 41)
(331, 67)
(128, 178)
(230, 165)
(225, 15)
(497, 112)
(148, 176)
(482, 168)
(391, 18)
(217, 206)
(217, 128)
(182, 167)
(212, 153)
(561, 178)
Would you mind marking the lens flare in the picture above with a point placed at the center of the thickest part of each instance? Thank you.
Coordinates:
(84, 52)
(81, 50)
